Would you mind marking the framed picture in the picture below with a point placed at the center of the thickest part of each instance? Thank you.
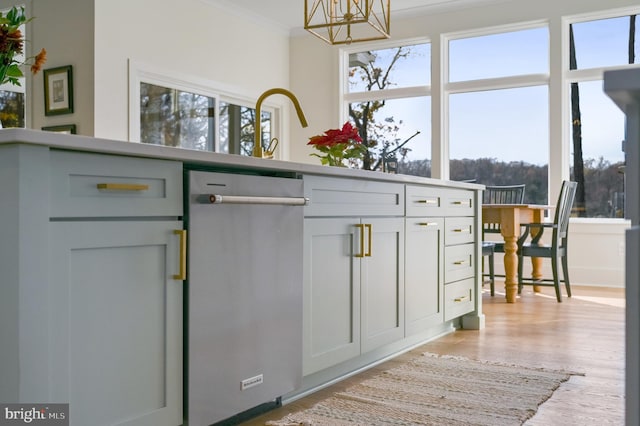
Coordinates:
(58, 91)
(69, 129)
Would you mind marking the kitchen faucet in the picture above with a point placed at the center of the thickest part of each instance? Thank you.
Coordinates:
(257, 145)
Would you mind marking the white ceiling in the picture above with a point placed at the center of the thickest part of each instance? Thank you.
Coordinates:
(289, 14)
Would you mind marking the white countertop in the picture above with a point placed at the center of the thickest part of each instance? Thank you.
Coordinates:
(203, 158)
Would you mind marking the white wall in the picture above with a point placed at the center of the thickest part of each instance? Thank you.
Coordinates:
(595, 248)
(596, 253)
(188, 37)
(65, 29)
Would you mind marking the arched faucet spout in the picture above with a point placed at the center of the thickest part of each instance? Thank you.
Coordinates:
(258, 151)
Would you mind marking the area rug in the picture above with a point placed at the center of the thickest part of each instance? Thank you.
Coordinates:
(437, 390)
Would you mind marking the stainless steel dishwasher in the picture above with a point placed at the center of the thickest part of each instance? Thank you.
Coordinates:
(245, 292)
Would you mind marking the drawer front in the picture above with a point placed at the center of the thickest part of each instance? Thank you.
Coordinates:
(424, 200)
(458, 262)
(458, 299)
(458, 230)
(351, 197)
(95, 185)
(459, 203)
(430, 201)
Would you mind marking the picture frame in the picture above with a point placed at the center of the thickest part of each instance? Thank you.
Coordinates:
(58, 90)
(69, 129)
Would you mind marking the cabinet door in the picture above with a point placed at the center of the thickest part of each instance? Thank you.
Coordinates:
(116, 322)
(382, 282)
(331, 292)
(423, 273)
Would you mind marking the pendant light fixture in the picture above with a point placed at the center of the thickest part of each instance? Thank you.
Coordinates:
(347, 21)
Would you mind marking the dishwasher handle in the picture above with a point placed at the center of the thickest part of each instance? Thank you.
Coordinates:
(246, 199)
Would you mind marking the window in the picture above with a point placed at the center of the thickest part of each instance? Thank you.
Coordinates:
(173, 117)
(499, 55)
(499, 110)
(236, 128)
(606, 42)
(388, 99)
(12, 98)
(12, 110)
(190, 115)
(597, 125)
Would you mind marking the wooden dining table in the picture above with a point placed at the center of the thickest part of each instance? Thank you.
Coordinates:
(510, 216)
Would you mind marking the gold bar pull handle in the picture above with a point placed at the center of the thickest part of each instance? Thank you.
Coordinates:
(368, 226)
(427, 223)
(458, 203)
(459, 262)
(427, 201)
(361, 228)
(122, 187)
(182, 275)
(460, 299)
(462, 230)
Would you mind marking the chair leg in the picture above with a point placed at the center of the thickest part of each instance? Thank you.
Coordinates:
(520, 260)
(556, 279)
(565, 272)
(492, 275)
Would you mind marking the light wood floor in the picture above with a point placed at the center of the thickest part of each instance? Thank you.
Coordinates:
(584, 334)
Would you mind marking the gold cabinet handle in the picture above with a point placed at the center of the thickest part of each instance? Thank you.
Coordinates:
(368, 226)
(182, 275)
(460, 262)
(460, 299)
(462, 230)
(458, 203)
(428, 201)
(361, 228)
(122, 187)
(427, 223)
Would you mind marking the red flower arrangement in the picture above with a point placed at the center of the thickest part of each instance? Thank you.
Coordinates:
(339, 147)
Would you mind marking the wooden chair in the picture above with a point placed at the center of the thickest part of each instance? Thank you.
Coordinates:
(557, 252)
(510, 194)
(488, 249)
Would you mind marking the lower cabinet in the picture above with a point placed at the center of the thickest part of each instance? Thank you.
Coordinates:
(116, 321)
(423, 273)
(353, 288)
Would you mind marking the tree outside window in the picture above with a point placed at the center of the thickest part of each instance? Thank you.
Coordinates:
(597, 125)
(388, 101)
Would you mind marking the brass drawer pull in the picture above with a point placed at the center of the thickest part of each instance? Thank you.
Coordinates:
(122, 187)
(430, 201)
(182, 275)
(460, 262)
(368, 226)
(460, 299)
(427, 223)
(462, 230)
(458, 203)
(361, 228)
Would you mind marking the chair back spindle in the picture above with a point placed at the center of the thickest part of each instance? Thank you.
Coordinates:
(508, 194)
